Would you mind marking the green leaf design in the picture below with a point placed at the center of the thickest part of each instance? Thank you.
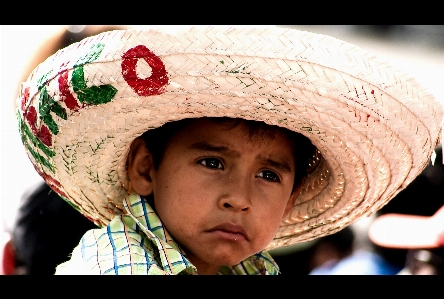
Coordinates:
(29, 139)
(93, 95)
(93, 54)
(59, 110)
(78, 80)
(48, 105)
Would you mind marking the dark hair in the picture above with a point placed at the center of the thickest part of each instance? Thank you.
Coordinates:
(45, 231)
(304, 150)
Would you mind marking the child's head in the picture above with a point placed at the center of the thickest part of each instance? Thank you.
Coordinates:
(303, 152)
(176, 114)
(220, 186)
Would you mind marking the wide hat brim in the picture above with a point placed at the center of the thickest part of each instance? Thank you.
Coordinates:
(374, 126)
(408, 231)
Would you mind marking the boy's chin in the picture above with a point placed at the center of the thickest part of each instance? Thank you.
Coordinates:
(216, 252)
(229, 258)
(232, 260)
(218, 258)
(228, 262)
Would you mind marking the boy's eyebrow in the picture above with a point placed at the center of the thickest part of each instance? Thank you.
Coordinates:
(281, 165)
(205, 146)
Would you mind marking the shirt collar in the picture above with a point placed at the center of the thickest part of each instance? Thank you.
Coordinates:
(148, 221)
(172, 257)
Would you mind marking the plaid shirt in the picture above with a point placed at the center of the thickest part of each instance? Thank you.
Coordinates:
(138, 243)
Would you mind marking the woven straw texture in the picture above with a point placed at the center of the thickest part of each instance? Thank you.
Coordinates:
(374, 127)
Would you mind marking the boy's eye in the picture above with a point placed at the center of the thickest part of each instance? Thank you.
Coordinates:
(211, 163)
(269, 176)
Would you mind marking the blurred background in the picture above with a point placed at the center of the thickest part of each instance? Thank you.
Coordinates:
(417, 49)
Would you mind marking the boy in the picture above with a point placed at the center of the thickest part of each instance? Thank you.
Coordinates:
(198, 150)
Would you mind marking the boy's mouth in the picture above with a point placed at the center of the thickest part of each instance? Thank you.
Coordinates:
(230, 231)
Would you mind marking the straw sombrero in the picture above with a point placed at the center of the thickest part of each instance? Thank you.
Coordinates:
(374, 127)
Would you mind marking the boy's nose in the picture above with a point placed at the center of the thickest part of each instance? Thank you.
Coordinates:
(237, 195)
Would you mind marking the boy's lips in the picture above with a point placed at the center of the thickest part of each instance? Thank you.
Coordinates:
(230, 231)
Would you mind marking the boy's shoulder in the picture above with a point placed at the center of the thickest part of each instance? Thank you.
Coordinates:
(126, 246)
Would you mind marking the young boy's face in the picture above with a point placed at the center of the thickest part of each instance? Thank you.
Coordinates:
(220, 192)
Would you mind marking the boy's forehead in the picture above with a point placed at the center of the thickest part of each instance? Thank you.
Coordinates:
(235, 138)
(222, 134)
(252, 129)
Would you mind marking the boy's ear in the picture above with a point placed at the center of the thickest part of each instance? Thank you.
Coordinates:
(292, 200)
(140, 168)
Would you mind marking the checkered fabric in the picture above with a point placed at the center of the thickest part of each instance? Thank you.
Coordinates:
(138, 243)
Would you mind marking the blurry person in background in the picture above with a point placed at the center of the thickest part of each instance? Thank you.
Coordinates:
(30, 247)
(33, 247)
(410, 229)
(330, 250)
(336, 255)
(294, 259)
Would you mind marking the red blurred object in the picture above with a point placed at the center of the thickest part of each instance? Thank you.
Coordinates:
(8, 259)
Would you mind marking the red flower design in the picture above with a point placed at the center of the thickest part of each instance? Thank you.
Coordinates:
(53, 183)
(65, 94)
(25, 98)
(31, 117)
(45, 135)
